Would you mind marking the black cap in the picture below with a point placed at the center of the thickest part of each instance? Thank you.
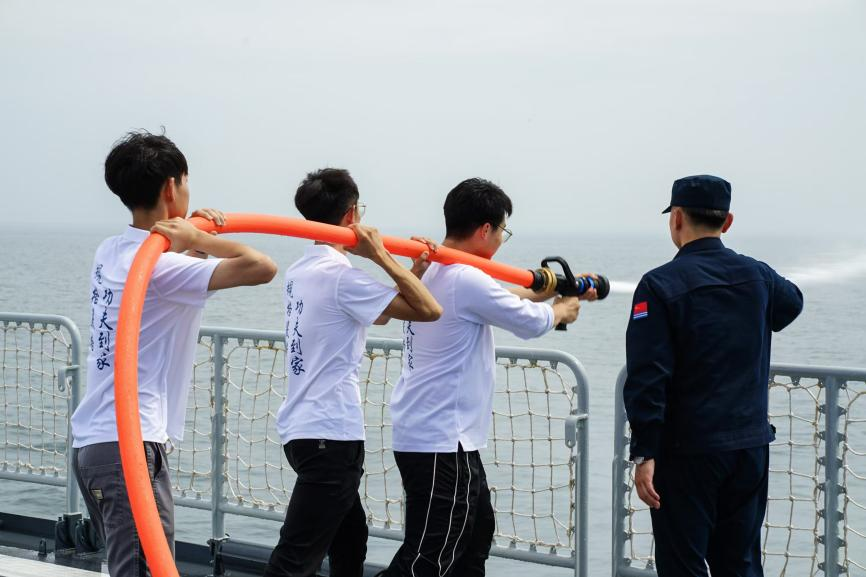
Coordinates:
(701, 191)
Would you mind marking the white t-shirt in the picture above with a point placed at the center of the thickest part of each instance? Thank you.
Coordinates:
(169, 330)
(445, 393)
(329, 305)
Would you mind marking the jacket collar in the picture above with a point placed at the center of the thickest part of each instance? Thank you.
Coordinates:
(700, 245)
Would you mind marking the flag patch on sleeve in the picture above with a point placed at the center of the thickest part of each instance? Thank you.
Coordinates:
(640, 311)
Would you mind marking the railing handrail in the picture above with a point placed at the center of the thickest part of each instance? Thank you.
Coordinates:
(818, 371)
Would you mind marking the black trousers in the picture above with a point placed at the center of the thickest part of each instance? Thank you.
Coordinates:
(325, 515)
(712, 511)
(449, 517)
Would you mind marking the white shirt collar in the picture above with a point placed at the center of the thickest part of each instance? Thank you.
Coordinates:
(327, 251)
(135, 234)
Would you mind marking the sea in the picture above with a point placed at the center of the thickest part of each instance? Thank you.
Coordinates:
(46, 270)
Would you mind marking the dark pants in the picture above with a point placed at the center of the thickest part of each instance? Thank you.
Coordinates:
(712, 511)
(449, 517)
(325, 515)
(100, 478)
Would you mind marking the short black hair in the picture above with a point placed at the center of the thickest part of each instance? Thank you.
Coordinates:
(471, 204)
(138, 166)
(325, 195)
(706, 217)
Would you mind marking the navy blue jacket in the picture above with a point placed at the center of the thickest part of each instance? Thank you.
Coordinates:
(698, 351)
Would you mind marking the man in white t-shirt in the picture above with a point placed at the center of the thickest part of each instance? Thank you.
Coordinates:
(329, 305)
(150, 176)
(442, 404)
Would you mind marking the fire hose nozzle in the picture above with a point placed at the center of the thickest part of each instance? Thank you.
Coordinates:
(566, 284)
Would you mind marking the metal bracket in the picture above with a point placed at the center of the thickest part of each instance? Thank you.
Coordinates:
(216, 553)
(63, 376)
(822, 514)
(840, 437)
(64, 531)
(571, 422)
(87, 538)
(823, 461)
(841, 410)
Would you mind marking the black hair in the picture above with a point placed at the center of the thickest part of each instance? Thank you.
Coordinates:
(706, 217)
(325, 195)
(138, 166)
(471, 204)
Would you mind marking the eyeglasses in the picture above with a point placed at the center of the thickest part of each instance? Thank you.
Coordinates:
(361, 208)
(506, 234)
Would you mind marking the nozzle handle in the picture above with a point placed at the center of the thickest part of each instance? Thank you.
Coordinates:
(566, 283)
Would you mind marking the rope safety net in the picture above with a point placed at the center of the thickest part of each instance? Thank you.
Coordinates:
(527, 463)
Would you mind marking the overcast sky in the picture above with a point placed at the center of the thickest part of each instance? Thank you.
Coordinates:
(583, 111)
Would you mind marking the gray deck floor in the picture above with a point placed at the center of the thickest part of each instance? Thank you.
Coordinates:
(27, 567)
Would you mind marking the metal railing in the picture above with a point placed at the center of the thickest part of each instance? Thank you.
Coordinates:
(816, 510)
(537, 461)
(40, 385)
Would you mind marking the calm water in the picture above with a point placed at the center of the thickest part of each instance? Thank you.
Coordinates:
(46, 271)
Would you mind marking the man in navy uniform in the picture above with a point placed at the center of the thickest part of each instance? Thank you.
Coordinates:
(698, 360)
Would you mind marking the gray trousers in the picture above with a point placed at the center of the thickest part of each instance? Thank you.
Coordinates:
(100, 477)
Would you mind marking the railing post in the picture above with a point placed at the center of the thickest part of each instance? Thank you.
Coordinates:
(73, 503)
(832, 465)
(582, 498)
(575, 438)
(72, 495)
(618, 477)
(217, 440)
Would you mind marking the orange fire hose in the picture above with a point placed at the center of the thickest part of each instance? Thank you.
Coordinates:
(135, 473)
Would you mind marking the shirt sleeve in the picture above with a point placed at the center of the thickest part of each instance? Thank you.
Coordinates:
(183, 279)
(482, 300)
(650, 365)
(361, 296)
(787, 301)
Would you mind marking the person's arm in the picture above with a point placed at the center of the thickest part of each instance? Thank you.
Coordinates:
(419, 267)
(649, 351)
(531, 295)
(413, 301)
(240, 265)
(483, 300)
(650, 365)
(787, 302)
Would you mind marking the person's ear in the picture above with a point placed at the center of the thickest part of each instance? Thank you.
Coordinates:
(348, 217)
(729, 220)
(169, 190)
(484, 230)
(678, 219)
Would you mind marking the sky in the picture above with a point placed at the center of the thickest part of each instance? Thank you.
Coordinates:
(583, 111)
